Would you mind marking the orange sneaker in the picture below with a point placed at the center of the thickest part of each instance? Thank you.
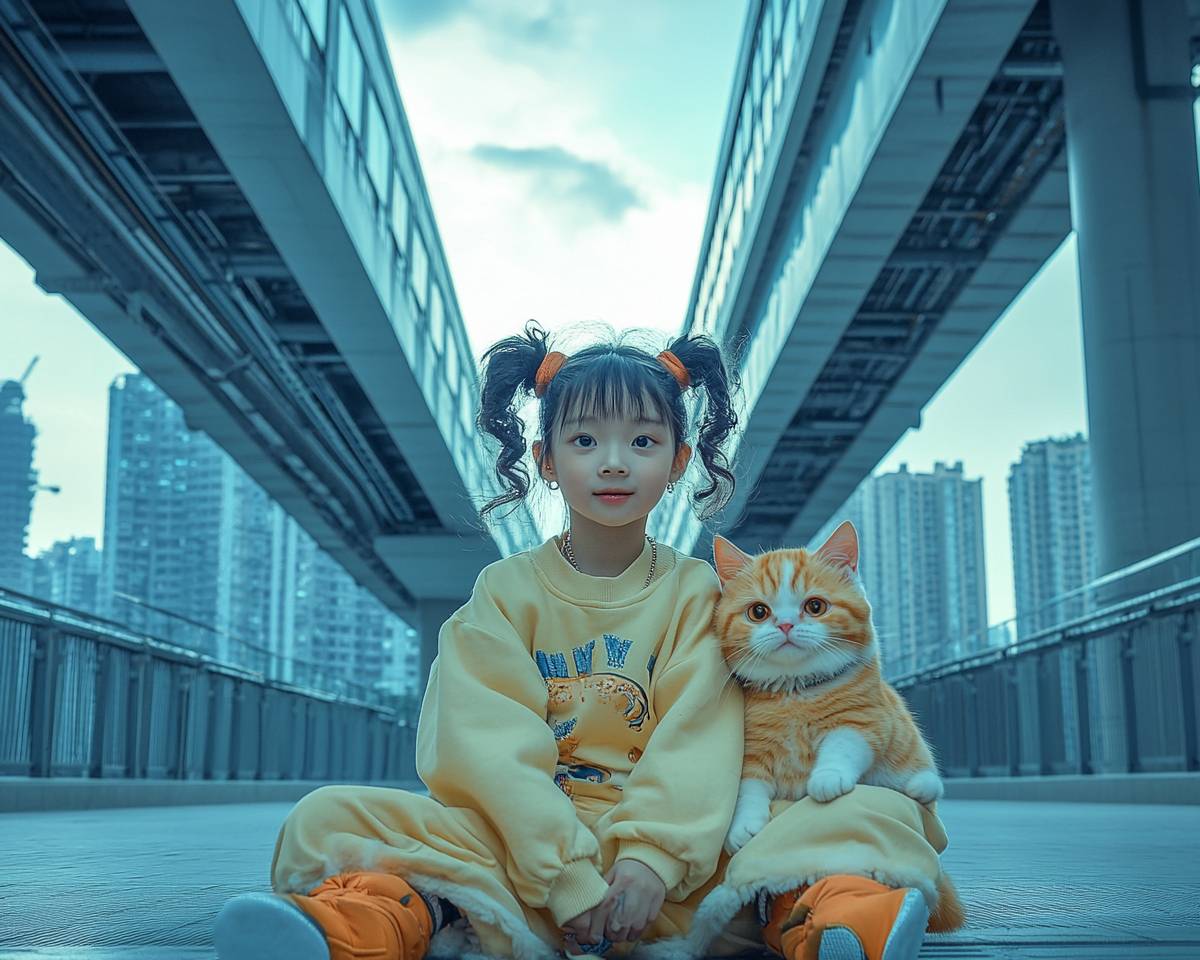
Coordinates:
(847, 918)
(351, 916)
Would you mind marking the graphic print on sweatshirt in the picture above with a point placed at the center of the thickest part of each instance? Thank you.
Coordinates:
(611, 707)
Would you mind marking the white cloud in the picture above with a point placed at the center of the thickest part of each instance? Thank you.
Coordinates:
(520, 243)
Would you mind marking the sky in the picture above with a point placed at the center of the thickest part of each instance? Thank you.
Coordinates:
(569, 151)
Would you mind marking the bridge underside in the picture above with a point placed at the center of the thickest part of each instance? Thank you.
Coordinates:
(996, 210)
(111, 189)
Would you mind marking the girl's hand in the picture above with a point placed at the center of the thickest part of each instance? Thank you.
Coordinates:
(587, 928)
(635, 897)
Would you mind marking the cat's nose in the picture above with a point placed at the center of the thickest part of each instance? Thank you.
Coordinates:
(785, 627)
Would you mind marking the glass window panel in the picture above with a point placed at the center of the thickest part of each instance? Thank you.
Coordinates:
(758, 154)
(787, 48)
(744, 122)
(420, 269)
(735, 222)
(767, 40)
(767, 117)
(777, 84)
(445, 406)
(776, 20)
(316, 12)
(452, 360)
(437, 317)
(466, 410)
(400, 215)
(710, 271)
(349, 72)
(379, 148)
(428, 369)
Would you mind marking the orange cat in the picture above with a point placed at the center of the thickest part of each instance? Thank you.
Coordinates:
(796, 631)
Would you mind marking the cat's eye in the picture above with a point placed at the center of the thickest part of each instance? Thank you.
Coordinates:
(758, 612)
(816, 606)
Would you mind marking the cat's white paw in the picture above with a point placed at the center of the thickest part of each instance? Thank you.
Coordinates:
(829, 783)
(925, 787)
(746, 823)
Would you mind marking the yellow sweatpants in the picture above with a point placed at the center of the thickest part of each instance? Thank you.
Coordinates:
(454, 853)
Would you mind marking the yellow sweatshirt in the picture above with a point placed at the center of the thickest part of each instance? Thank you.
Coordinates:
(552, 686)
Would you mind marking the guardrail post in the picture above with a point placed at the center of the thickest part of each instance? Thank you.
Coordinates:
(1013, 749)
(1187, 689)
(184, 708)
(972, 727)
(103, 708)
(43, 702)
(210, 721)
(261, 763)
(1049, 721)
(235, 731)
(1129, 702)
(135, 733)
(1083, 719)
(307, 759)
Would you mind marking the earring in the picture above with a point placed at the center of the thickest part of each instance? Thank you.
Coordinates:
(671, 487)
(552, 484)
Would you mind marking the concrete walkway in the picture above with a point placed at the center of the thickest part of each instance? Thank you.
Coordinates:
(1040, 880)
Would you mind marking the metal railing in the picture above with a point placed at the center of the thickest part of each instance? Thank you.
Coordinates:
(80, 697)
(1111, 690)
(175, 629)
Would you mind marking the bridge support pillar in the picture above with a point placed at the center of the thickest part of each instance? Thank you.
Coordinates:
(1135, 204)
(431, 614)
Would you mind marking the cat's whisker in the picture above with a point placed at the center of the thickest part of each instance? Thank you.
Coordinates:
(748, 658)
(745, 659)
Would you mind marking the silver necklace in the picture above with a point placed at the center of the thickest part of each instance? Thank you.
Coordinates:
(569, 553)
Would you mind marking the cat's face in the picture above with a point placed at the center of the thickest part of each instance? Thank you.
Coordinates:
(790, 613)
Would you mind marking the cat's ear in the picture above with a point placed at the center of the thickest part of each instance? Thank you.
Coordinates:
(842, 547)
(728, 559)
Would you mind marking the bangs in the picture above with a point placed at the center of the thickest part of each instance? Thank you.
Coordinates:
(613, 387)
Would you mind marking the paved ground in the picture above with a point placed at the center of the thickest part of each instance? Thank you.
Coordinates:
(1099, 881)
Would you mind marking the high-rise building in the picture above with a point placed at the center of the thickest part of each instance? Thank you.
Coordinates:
(921, 561)
(1053, 531)
(17, 483)
(68, 574)
(198, 553)
(167, 522)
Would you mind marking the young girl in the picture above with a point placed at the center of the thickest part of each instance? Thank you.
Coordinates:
(580, 736)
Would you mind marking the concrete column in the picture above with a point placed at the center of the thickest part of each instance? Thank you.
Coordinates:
(432, 612)
(1135, 203)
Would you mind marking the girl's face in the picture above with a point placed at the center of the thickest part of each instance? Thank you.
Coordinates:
(614, 471)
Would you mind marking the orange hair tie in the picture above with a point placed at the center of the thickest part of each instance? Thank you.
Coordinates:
(676, 368)
(550, 365)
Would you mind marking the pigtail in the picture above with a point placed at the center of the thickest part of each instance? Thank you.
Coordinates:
(707, 366)
(508, 367)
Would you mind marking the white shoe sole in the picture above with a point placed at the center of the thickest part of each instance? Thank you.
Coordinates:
(903, 943)
(265, 926)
